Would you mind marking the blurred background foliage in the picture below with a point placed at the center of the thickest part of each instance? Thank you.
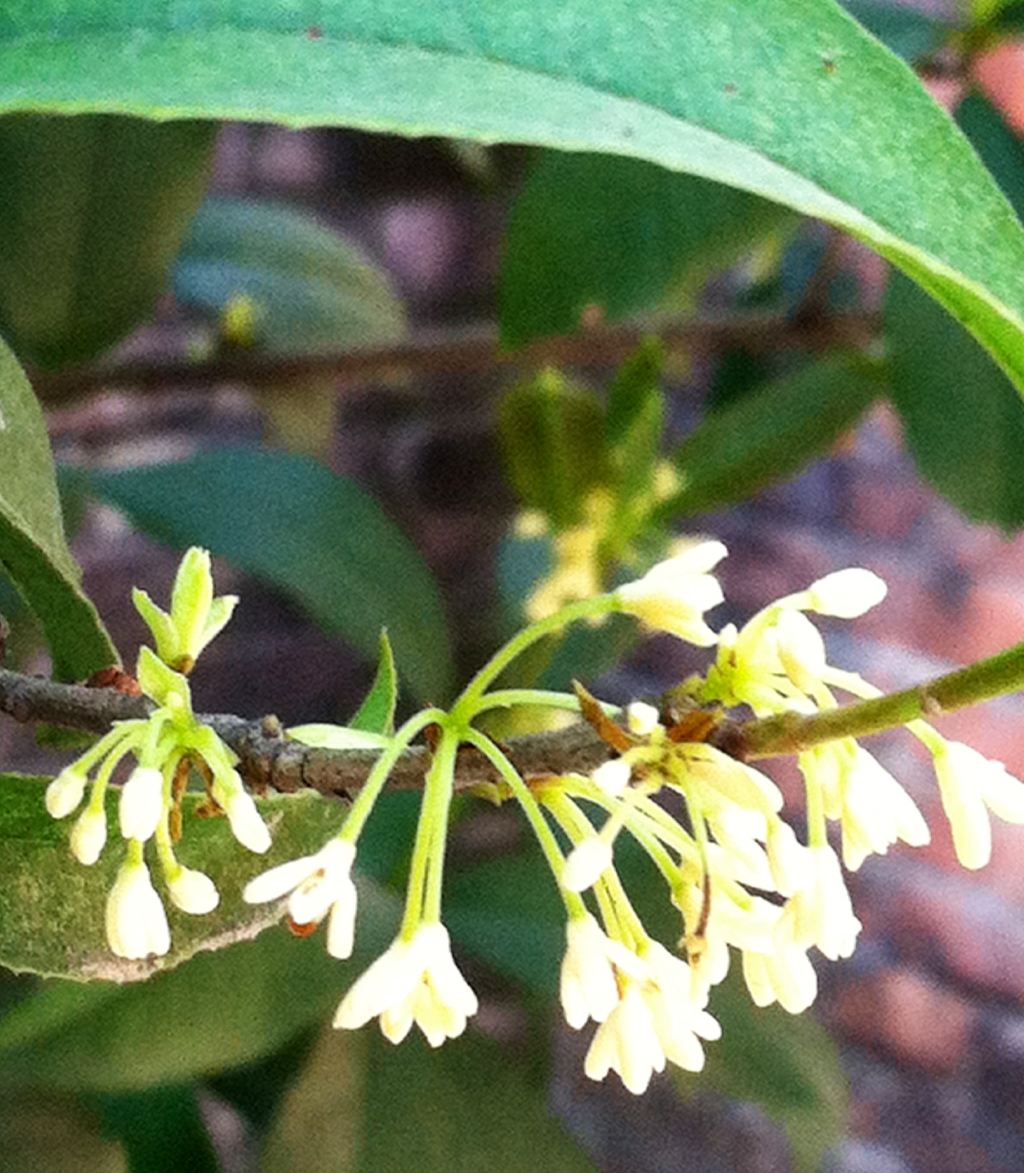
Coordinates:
(127, 263)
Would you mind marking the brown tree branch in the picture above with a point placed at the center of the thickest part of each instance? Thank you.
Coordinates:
(475, 350)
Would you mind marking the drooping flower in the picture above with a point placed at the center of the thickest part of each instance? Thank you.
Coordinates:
(784, 975)
(627, 1042)
(971, 785)
(587, 982)
(89, 836)
(141, 804)
(319, 884)
(673, 595)
(585, 863)
(135, 918)
(247, 826)
(64, 794)
(416, 980)
(192, 891)
(820, 913)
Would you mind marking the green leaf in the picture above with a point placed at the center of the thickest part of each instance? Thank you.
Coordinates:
(52, 908)
(325, 736)
(364, 1106)
(377, 712)
(53, 1134)
(800, 106)
(616, 234)
(771, 433)
(552, 434)
(962, 419)
(160, 1130)
(785, 1063)
(311, 288)
(94, 211)
(221, 1010)
(33, 550)
(317, 536)
(907, 32)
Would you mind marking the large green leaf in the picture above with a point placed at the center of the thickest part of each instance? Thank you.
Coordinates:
(53, 1134)
(962, 419)
(311, 288)
(794, 102)
(94, 210)
(51, 908)
(317, 536)
(612, 233)
(771, 433)
(364, 1106)
(33, 550)
(221, 1010)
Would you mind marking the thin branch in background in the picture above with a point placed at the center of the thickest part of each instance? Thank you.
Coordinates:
(473, 350)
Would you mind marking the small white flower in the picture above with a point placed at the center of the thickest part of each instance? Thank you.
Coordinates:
(785, 976)
(193, 892)
(674, 595)
(585, 863)
(787, 858)
(135, 918)
(876, 810)
(318, 883)
(820, 913)
(641, 718)
(65, 792)
(142, 803)
(627, 1042)
(612, 776)
(846, 594)
(970, 785)
(414, 981)
(680, 1020)
(735, 781)
(89, 836)
(587, 981)
(246, 824)
(801, 649)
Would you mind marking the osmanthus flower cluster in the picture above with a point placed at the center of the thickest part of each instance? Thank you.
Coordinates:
(163, 746)
(749, 889)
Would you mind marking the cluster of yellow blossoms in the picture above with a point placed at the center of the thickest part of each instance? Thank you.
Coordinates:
(741, 878)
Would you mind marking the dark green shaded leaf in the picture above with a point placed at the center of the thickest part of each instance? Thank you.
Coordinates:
(963, 421)
(615, 234)
(315, 535)
(33, 550)
(221, 1010)
(377, 712)
(310, 288)
(51, 908)
(461, 1109)
(771, 433)
(53, 1134)
(94, 211)
(160, 1130)
(800, 106)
